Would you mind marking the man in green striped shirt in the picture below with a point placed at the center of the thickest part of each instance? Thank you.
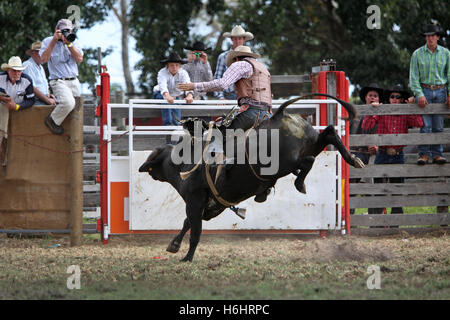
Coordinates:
(429, 78)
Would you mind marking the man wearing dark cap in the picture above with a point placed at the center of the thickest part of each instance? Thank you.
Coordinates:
(429, 78)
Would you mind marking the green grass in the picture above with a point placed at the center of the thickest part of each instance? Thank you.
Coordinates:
(130, 267)
(406, 210)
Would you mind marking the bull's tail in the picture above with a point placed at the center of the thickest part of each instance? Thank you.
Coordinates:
(348, 106)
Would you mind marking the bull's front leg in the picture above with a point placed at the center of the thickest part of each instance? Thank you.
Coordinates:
(194, 211)
(174, 245)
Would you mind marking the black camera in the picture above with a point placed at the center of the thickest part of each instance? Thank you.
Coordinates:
(68, 35)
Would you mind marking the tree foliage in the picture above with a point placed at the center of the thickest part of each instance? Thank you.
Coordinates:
(297, 35)
(159, 28)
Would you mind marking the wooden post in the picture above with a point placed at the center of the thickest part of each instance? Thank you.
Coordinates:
(76, 164)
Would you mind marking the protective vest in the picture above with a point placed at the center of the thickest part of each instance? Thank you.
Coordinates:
(257, 87)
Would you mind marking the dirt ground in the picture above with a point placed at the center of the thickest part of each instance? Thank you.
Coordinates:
(229, 267)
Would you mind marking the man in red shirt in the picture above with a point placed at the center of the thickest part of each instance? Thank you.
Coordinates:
(391, 124)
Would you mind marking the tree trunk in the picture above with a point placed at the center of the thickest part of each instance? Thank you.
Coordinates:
(125, 57)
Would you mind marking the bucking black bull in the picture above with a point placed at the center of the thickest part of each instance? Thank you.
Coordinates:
(207, 195)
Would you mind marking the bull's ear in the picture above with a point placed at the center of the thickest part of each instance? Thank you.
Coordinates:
(154, 158)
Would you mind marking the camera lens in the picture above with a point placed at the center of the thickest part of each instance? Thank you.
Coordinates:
(69, 36)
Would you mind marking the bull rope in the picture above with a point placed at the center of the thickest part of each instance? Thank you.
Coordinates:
(186, 174)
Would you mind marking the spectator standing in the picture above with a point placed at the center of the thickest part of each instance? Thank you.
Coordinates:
(198, 67)
(392, 124)
(63, 57)
(16, 93)
(37, 73)
(371, 94)
(429, 78)
(168, 79)
(238, 36)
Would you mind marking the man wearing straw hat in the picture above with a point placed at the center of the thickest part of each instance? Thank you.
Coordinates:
(16, 93)
(252, 82)
(37, 73)
(239, 36)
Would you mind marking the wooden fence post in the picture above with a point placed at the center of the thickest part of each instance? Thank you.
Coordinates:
(76, 165)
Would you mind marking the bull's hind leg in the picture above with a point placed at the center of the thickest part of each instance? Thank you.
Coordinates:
(174, 245)
(329, 136)
(305, 164)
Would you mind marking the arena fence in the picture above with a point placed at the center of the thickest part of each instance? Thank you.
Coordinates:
(425, 186)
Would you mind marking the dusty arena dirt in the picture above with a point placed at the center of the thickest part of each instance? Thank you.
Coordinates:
(228, 267)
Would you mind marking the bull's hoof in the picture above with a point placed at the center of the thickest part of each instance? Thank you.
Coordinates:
(261, 197)
(303, 189)
(358, 162)
(173, 247)
(300, 187)
(186, 259)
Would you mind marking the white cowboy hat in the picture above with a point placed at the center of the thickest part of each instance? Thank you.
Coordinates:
(238, 31)
(14, 63)
(240, 51)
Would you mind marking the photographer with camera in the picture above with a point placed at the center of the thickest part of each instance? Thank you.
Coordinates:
(198, 67)
(63, 56)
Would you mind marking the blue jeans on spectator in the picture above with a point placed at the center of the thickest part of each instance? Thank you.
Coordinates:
(383, 158)
(169, 116)
(433, 122)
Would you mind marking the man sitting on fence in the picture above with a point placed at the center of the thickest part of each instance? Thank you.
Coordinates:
(63, 57)
(392, 124)
(429, 77)
(37, 73)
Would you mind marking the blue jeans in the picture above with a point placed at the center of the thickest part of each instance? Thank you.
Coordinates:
(246, 119)
(383, 158)
(169, 116)
(434, 122)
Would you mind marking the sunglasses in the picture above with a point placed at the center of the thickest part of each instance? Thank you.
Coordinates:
(395, 96)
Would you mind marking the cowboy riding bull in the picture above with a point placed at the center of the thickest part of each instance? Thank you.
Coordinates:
(298, 146)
